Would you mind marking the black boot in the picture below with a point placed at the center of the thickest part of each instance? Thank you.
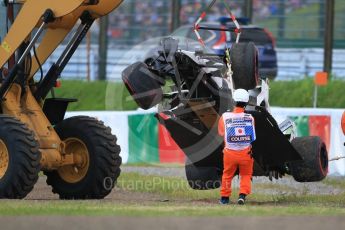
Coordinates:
(224, 200)
(241, 199)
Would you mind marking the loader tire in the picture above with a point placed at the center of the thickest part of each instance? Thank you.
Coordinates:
(96, 175)
(244, 64)
(202, 178)
(19, 159)
(314, 166)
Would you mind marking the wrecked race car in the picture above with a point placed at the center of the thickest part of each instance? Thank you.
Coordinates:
(200, 91)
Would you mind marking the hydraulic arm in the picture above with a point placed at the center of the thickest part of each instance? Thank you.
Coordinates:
(42, 26)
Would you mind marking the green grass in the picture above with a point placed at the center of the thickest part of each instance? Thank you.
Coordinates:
(179, 200)
(177, 188)
(275, 187)
(114, 96)
(98, 95)
(300, 94)
(336, 183)
(94, 208)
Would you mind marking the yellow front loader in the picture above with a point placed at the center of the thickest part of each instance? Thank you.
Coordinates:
(79, 155)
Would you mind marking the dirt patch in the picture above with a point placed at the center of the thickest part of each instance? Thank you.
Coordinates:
(43, 192)
(119, 196)
(260, 185)
(277, 191)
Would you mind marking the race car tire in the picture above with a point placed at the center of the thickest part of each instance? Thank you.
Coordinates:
(244, 64)
(143, 85)
(314, 166)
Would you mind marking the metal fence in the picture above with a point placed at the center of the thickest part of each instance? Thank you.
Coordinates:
(293, 63)
(294, 23)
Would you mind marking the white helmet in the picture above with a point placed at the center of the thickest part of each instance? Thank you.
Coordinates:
(241, 95)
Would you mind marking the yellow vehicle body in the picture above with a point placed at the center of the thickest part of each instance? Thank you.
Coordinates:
(20, 102)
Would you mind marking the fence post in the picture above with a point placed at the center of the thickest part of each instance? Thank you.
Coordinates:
(329, 35)
(248, 9)
(322, 18)
(175, 14)
(103, 48)
(88, 55)
(281, 22)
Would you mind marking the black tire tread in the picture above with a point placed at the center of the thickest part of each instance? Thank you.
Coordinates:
(108, 159)
(25, 173)
(244, 65)
(145, 89)
(309, 169)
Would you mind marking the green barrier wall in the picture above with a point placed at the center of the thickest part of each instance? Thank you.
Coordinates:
(143, 139)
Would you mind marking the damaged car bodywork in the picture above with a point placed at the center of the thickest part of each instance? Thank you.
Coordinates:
(201, 91)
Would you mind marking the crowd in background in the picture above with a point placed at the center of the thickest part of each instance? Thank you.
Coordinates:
(140, 20)
(261, 8)
(267, 8)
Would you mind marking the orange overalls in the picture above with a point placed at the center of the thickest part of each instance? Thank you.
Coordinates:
(236, 156)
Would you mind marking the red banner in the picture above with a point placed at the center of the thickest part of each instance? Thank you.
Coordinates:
(169, 151)
(321, 126)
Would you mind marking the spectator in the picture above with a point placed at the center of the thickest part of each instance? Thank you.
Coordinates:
(135, 21)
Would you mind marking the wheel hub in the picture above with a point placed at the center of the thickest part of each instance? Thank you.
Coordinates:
(76, 172)
(4, 159)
